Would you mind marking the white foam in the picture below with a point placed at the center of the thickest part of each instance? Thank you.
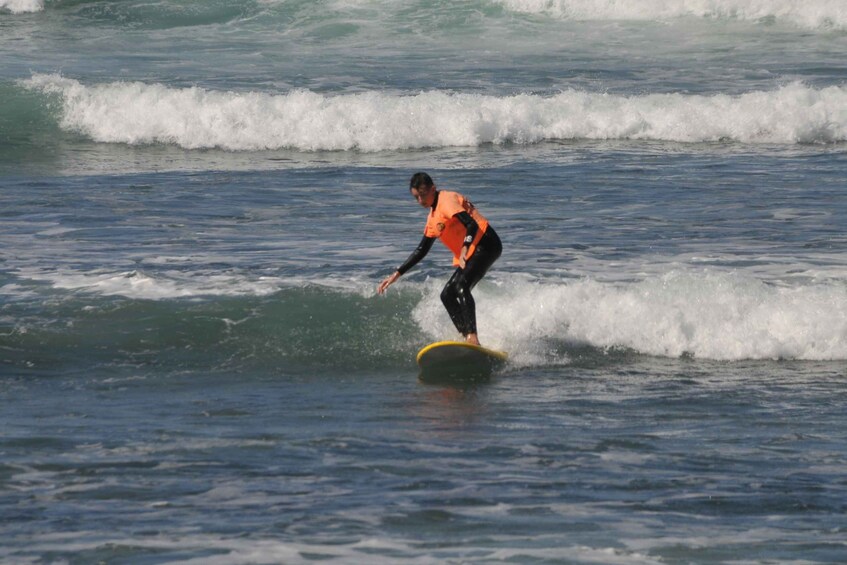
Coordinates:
(195, 118)
(22, 6)
(810, 14)
(724, 316)
(175, 284)
(161, 286)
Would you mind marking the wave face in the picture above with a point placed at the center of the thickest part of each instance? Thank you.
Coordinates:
(820, 14)
(296, 327)
(195, 118)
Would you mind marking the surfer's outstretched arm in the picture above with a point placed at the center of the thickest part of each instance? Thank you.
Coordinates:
(419, 253)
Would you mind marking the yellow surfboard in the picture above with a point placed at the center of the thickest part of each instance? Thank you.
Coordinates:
(457, 360)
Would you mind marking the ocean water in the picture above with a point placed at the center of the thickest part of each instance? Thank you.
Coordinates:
(198, 199)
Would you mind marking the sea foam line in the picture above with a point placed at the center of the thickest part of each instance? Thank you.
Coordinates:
(809, 14)
(161, 286)
(172, 284)
(197, 118)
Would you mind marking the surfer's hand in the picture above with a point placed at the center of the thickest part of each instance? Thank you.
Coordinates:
(388, 281)
(462, 260)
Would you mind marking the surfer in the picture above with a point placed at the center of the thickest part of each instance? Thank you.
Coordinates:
(474, 243)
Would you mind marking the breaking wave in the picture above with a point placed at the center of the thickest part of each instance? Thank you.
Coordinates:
(196, 118)
(707, 315)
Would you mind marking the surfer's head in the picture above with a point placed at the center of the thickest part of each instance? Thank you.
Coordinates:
(422, 189)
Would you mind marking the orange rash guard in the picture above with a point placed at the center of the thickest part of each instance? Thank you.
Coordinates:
(443, 224)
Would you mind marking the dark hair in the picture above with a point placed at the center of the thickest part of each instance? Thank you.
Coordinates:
(420, 180)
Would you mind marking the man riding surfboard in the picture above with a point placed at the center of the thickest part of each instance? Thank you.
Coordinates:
(466, 232)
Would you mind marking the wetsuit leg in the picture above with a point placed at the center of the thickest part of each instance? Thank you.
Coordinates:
(456, 295)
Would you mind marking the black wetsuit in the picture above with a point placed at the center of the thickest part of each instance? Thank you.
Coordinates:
(456, 295)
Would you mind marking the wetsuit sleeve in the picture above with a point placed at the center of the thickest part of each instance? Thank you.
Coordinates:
(469, 223)
(419, 253)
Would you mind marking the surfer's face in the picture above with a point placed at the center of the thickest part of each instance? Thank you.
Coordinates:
(424, 195)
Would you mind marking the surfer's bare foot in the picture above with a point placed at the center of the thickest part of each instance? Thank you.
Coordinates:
(473, 339)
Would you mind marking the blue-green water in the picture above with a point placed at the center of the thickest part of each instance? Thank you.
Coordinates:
(198, 199)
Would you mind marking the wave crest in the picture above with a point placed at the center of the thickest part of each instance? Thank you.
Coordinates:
(196, 118)
(22, 6)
